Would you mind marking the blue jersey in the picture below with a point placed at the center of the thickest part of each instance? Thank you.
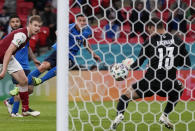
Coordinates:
(76, 39)
(111, 30)
(22, 57)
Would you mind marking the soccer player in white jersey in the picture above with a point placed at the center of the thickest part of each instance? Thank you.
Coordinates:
(9, 46)
(22, 57)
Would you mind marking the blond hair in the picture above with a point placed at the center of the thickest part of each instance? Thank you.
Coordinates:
(35, 18)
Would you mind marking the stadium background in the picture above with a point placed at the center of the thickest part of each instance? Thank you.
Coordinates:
(113, 47)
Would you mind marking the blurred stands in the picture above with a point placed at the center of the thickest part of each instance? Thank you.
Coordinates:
(1, 5)
(23, 10)
(97, 13)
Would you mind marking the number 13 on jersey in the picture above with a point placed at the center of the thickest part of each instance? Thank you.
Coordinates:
(169, 59)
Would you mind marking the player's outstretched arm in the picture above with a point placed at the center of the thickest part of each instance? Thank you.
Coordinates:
(142, 57)
(33, 57)
(12, 48)
(88, 47)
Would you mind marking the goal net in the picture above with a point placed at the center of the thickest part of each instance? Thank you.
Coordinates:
(118, 31)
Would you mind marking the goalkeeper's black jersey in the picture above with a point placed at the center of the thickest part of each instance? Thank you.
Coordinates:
(164, 52)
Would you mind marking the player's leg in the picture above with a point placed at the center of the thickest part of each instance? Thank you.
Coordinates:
(51, 73)
(23, 93)
(122, 105)
(125, 98)
(15, 107)
(35, 73)
(23, 87)
(8, 102)
(173, 98)
(16, 103)
(138, 90)
(47, 64)
(15, 69)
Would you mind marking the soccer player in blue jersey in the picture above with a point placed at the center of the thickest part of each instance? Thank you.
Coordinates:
(79, 32)
(23, 59)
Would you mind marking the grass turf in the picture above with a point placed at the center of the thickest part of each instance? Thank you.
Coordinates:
(86, 116)
(45, 122)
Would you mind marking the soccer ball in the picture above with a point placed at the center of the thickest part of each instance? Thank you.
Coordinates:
(119, 71)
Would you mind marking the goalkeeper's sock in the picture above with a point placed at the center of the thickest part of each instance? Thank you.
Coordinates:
(34, 73)
(51, 73)
(15, 107)
(11, 100)
(122, 104)
(172, 102)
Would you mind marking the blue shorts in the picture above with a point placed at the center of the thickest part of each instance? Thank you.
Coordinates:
(52, 59)
(26, 73)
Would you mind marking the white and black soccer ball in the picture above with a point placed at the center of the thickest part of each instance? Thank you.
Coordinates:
(119, 71)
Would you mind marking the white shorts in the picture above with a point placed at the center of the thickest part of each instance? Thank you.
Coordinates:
(13, 66)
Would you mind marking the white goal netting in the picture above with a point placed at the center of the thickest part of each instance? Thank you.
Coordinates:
(118, 32)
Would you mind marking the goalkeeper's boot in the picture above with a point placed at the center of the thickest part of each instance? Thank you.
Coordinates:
(165, 120)
(16, 115)
(36, 81)
(14, 92)
(9, 106)
(117, 121)
(30, 112)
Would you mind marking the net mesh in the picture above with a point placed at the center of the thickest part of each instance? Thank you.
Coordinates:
(118, 32)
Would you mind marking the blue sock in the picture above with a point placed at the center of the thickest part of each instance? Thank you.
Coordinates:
(15, 107)
(34, 73)
(51, 73)
(11, 100)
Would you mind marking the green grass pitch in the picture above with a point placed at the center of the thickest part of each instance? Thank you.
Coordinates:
(84, 116)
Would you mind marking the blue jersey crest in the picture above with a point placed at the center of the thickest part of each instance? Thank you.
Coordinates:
(76, 39)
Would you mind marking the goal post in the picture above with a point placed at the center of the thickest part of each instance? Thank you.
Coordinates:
(62, 65)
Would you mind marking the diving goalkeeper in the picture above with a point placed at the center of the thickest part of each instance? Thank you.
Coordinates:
(165, 53)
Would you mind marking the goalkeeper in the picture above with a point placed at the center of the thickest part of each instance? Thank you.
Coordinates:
(79, 32)
(165, 53)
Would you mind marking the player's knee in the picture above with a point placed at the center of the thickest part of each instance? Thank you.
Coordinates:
(30, 89)
(124, 98)
(127, 94)
(131, 94)
(44, 66)
(23, 81)
(17, 98)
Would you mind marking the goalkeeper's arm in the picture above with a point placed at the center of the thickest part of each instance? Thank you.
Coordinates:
(139, 61)
(141, 58)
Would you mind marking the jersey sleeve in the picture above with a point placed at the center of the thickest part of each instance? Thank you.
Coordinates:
(19, 38)
(142, 56)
